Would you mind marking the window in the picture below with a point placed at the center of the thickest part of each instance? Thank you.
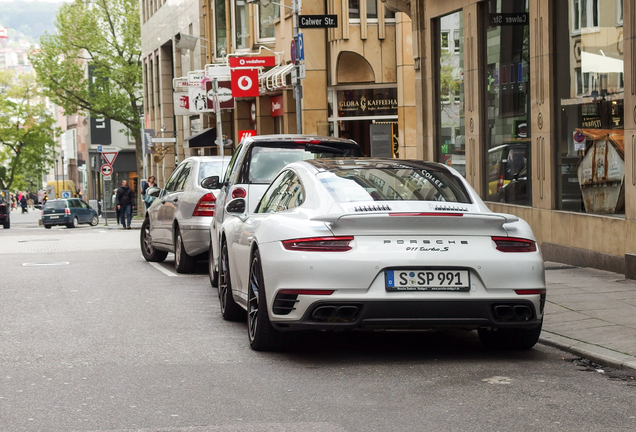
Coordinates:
(265, 21)
(285, 193)
(241, 24)
(220, 29)
(589, 90)
(372, 11)
(451, 145)
(211, 168)
(230, 165)
(183, 177)
(585, 14)
(171, 183)
(619, 12)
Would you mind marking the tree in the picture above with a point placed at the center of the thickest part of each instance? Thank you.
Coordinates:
(105, 37)
(27, 130)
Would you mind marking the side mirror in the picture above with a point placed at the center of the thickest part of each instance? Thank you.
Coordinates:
(236, 206)
(153, 191)
(212, 182)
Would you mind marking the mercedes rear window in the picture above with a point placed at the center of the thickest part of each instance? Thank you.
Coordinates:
(211, 168)
(391, 184)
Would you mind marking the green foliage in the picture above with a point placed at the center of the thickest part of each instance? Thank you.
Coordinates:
(104, 34)
(27, 131)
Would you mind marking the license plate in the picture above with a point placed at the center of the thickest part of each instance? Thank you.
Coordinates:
(53, 217)
(427, 280)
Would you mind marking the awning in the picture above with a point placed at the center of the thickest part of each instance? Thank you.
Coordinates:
(205, 138)
(274, 79)
(600, 64)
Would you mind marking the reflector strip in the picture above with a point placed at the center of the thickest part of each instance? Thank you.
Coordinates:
(530, 291)
(426, 214)
(305, 292)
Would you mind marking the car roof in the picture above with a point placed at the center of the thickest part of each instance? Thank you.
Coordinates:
(275, 139)
(207, 158)
(353, 163)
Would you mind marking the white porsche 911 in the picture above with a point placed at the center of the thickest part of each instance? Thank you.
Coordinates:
(339, 244)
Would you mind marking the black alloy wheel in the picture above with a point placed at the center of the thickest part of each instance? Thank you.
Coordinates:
(147, 249)
(183, 262)
(229, 309)
(262, 335)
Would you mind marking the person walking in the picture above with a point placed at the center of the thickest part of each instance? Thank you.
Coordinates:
(148, 199)
(125, 204)
(23, 204)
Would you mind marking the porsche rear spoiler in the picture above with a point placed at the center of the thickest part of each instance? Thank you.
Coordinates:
(447, 223)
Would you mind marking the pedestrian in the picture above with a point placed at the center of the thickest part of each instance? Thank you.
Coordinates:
(147, 198)
(125, 203)
(23, 204)
(114, 202)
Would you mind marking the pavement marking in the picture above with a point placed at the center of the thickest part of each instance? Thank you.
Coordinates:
(45, 264)
(167, 272)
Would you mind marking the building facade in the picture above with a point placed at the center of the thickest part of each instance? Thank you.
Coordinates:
(546, 126)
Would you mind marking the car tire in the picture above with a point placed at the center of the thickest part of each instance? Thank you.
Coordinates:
(147, 249)
(183, 263)
(262, 334)
(510, 338)
(94, 221)
(74, 223)
(212, 273)
(48, 226)
(230, 310)
(7, 225)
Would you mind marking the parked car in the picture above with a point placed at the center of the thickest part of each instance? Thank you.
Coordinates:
(70, 212)
(253, 166)
(5, 210)
(179, 218)
(379, 244)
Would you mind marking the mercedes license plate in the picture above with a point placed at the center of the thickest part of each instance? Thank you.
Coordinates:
(427, 280)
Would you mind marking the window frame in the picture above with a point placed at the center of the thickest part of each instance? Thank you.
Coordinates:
(589, 13)
(257, 24)
(234, 27)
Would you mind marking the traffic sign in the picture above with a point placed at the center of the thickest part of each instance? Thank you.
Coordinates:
(107, 169)
(105, 148)
(301, 47)
(318, 21)
(65, 194)
(579, 137)
(109, 157)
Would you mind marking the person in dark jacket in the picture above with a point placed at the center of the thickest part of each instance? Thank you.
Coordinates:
(125, 203)
(23, 204)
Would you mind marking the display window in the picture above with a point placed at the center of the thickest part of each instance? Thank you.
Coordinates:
(589, 95)
(450, 78)
(507, 100)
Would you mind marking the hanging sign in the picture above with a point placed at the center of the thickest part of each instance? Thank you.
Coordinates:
(245, 83)
(253, 62)
(225, 94)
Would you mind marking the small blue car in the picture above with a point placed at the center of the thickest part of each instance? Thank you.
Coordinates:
(70, 212)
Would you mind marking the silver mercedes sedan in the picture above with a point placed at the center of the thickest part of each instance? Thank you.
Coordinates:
(179, 218)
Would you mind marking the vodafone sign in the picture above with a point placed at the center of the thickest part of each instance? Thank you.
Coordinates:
(236, 62)
(245, 83)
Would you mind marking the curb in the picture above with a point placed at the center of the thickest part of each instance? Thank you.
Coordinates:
(604, 356)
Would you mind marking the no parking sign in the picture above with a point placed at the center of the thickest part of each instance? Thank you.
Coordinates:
(579, 140)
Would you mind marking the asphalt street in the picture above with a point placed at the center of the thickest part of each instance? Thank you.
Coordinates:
(95, 338)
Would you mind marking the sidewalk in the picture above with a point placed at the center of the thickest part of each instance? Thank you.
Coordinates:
(591, 313)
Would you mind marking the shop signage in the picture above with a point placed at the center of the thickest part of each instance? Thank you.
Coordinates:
(181, 102)
(225, 95)
(367, 102)
(277, 106)
(196, 77)
(245, 83)
(502, 19)
(236, 62)
(242, 134)
(197, 98)
(318, 21)
(594, 122)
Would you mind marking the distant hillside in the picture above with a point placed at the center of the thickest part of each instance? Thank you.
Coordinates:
(31, 18)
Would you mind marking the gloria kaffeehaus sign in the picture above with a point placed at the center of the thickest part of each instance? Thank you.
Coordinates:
(367, 102)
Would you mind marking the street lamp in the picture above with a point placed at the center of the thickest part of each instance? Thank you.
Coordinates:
(298, 91)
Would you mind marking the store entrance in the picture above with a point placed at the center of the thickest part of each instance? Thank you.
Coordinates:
(357, 130)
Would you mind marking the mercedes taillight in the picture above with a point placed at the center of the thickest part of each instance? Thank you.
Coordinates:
(205, 206)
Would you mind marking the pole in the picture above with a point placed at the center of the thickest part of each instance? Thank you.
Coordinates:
(219, 123)
(104, 201)
(298, 91)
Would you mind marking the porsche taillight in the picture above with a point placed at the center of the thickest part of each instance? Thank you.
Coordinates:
(319, 244)
(514, 244)
(205, 206)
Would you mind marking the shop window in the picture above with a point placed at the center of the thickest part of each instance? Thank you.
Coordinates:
(589, 92)
(220, 29)
(451, 142)
(508, 103)
(241, 24)
(266, 17)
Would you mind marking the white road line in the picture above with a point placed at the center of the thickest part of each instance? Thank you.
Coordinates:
(172, 274)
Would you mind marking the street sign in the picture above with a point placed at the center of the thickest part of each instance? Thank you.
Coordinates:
(106, 169)
(301, 71)
(318, 21)
(105, 148)
(301, 47)
(66, 194)
(164, 140)
(253, 62)
(109, 157)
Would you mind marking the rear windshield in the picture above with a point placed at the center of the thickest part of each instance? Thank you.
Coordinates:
(57, 205)
(266, 162)
(211, 168)
(391, 184)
